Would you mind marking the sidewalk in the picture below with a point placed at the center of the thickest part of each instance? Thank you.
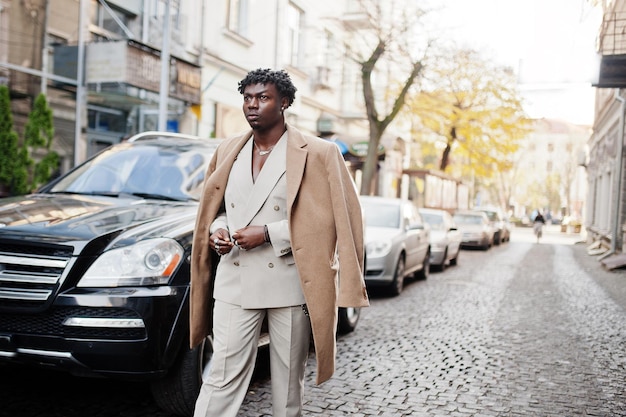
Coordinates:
(613, 282)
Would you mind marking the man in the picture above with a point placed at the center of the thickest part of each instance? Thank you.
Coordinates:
(280, 209)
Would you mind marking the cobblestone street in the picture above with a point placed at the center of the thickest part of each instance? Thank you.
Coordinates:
(523, 329)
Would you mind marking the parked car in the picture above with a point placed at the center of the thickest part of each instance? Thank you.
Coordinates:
(501, 231)
(95, 269)
(475, 228)
(445, 238)
(397, 242)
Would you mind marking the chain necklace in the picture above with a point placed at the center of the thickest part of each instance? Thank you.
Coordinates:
(265, 152)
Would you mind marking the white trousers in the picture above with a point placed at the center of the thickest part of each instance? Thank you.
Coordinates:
(236, 333)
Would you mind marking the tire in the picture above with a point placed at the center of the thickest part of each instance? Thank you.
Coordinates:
(425, 271)
(397, 285)
(177, 392)
(497, 239)
(455, 260)
(348, 317)
(442, 266)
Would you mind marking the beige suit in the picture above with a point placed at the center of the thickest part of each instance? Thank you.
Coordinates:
(325, 237)
(265, 277)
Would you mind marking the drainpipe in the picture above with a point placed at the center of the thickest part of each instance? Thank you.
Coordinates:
(618, 169)
(164, 85)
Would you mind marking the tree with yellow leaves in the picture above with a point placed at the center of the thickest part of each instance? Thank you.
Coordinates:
(472, 111)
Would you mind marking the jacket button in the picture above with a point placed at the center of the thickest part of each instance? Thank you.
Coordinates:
(236, 263)
(232, 205)
(270, 265)
(276, 208)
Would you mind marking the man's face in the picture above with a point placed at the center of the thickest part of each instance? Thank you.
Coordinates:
(262, 106)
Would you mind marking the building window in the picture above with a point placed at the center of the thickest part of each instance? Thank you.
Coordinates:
(156, 10)
(549, 166)
(550, 147)
(295, 18)
(102, 17)
(237, 20)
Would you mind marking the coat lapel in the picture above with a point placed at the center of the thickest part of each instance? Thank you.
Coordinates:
(296, 160)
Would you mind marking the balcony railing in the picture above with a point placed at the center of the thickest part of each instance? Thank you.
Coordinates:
(612, 39)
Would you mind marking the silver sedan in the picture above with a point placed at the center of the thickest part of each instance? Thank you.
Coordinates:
(397, 242)
(445, 238)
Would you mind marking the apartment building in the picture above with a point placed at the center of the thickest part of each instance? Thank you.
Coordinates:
(117, 46)
(548, 175)
(606, 204)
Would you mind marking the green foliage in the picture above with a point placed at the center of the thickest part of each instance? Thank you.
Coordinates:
(20, 183)
(19, 173)
(8, 142)
(39, 130)
(38, 134)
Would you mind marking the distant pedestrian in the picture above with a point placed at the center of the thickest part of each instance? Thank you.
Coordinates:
(280, 209)
(538, 224)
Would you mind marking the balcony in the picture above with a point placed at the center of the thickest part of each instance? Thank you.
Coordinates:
(612, 47)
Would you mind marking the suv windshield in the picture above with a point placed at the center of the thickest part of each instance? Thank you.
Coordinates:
(149, 169)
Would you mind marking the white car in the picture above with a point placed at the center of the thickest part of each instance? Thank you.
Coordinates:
(445, 238)
(501, 230)
(397, 242)
(475, 227)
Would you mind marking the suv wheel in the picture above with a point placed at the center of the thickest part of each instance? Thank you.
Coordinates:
(178, 390)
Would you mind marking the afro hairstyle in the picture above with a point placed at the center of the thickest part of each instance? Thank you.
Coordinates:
(279, 78)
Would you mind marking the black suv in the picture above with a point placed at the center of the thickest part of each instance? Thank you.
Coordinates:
(94, 268)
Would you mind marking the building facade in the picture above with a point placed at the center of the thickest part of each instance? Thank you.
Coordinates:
(548, 175)
(105, 65)
(606, 208)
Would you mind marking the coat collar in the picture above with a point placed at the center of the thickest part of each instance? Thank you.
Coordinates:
(296, 161)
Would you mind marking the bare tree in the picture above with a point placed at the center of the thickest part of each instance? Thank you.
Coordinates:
(395, 61)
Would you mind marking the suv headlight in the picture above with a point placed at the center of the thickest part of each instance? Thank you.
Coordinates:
(149, 262)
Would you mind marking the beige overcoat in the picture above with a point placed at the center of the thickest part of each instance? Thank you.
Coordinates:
(326, 229)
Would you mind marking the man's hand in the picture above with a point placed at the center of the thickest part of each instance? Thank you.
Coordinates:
(220, 242)
(249, 237)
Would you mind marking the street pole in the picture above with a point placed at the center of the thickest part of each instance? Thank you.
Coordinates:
(80, 85)
(165, 71)
(44, 50)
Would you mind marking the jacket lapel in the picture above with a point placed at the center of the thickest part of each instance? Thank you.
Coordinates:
(216, 182)
(273, 170)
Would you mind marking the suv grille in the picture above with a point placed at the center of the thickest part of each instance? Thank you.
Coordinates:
(51, 323)
(30, 274)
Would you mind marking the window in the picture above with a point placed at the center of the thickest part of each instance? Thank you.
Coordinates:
(550, 147)
(156, 10)
(328, 46)
(102, 17)
(237, 20)
(294, 34)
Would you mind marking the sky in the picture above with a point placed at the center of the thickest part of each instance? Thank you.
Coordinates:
(550, 44)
